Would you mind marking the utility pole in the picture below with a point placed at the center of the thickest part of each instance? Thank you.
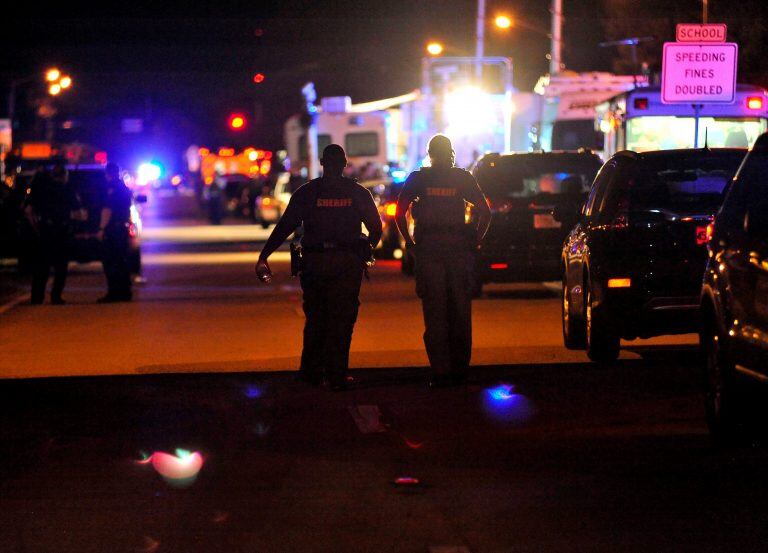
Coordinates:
(555, 59)
(704, 10)
(480, 50)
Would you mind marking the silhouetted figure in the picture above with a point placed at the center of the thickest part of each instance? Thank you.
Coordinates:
(444, 247)
(215, 199)
(330, 209)
(114, 236)
(51, 208)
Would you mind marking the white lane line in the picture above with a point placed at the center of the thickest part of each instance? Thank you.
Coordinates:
(208, 258)
(13, 302)
(205, 233)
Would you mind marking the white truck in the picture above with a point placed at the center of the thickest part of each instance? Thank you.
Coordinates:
(567, 108)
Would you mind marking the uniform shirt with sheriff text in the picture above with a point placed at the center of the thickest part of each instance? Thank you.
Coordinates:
(331, 211)
(438, 197)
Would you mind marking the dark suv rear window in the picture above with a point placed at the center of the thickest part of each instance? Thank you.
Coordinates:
(682, 184)
(522, 176)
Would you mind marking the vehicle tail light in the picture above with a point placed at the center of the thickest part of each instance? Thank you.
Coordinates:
(755, 102)
(703, 234)
(641, 103)
(499, 266)
(619, 282)
(390, 209)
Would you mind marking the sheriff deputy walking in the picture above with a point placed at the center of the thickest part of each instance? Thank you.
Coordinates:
(444, 246)
(331, 210)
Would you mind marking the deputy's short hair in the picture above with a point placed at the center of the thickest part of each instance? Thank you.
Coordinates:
(333, 153)
(440, 144)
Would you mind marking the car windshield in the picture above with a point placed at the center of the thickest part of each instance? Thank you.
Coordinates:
(683, 184)
(526, 176)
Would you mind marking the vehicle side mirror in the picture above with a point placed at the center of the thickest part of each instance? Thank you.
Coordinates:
(141, 198)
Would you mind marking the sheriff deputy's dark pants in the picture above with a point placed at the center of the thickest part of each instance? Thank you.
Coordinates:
(115, 262)
(444, 284)
(331, 284)
(51, 250)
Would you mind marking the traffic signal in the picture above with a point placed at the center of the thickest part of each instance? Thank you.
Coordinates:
(258, 78)
(236, 121)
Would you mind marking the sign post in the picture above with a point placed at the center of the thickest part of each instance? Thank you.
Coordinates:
(699, 69)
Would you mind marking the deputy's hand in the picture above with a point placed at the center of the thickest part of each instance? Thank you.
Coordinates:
(263, 271)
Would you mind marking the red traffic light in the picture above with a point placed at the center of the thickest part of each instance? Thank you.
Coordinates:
(259, 78)
(236, 121)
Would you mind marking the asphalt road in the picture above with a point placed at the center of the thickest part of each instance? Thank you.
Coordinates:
(202, 309)
(541, 451)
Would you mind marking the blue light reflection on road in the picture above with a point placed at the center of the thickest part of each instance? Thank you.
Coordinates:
(502, 404)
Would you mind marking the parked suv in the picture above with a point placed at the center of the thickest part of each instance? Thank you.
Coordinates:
(633, 264)
(524, 241)
(734, 299)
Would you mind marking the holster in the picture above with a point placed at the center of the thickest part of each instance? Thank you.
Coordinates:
(297, 259)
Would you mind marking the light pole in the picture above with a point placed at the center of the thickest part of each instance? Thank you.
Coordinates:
(57, 82)
(555, 36)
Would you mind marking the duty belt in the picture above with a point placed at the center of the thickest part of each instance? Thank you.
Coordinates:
(326, 247)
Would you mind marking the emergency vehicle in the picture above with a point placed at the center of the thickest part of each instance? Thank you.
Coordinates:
(227, 161)
(477, 113)
(567, 108)
(637, 120)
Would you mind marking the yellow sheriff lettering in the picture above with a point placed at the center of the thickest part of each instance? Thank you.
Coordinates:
(334, 202)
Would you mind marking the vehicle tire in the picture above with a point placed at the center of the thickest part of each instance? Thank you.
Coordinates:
(602, 340)
(264, 224)
(574, 333)
(724, 406)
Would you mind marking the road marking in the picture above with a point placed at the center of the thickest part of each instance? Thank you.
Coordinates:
(205, 234)
(208, 258)
(13, 302)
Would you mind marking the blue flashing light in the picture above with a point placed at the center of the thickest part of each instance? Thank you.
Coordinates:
(399, 176)
(148, 172)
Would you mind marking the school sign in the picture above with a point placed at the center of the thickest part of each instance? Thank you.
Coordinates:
(699, 72)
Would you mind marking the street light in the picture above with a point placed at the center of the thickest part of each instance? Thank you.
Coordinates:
(57, 82)
(434, 48)
(503, 21)
(52, 75)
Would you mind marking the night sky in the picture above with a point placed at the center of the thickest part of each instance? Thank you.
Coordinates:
(186, 67)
